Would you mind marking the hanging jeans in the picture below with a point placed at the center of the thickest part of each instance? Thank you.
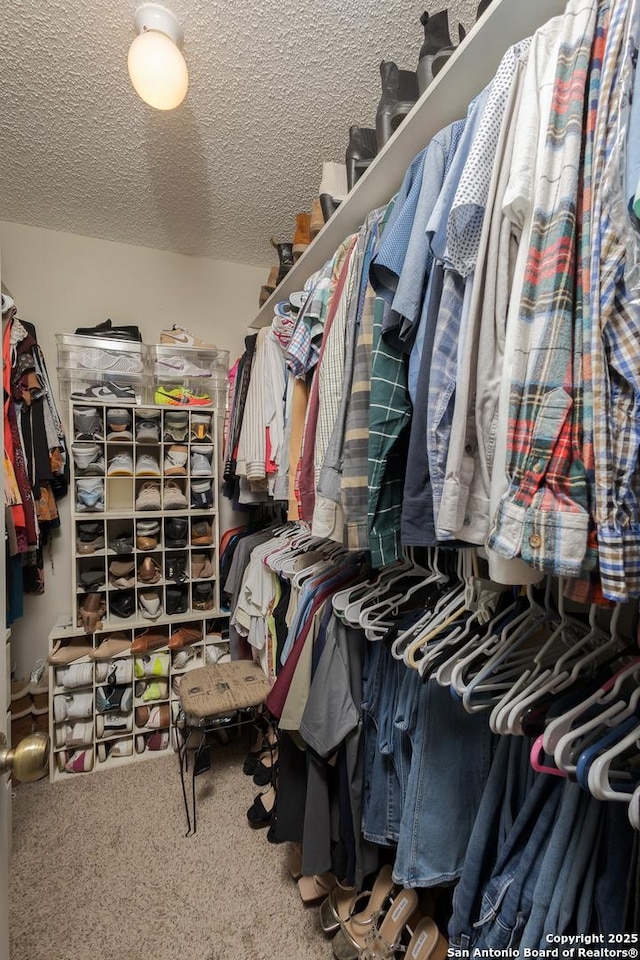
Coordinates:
(450, 762)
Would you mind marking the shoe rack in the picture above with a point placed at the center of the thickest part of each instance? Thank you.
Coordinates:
(107, 713)
(145, 562)
(136, 546)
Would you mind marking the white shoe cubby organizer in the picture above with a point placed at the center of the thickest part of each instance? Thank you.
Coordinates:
(95, 716)
(114, 712)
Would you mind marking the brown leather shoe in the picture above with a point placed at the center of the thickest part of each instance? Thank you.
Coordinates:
(302, 235)
(184, 637)
(149, 640)
(153, 718)
(201, 534)
(201, 566)
(149, 571)
(317, 219)
(115, 643)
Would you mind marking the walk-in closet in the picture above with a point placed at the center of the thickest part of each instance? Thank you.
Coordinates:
(321, 369)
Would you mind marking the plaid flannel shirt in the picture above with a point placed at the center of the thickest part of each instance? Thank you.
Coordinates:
(615, 339)
(544, 515)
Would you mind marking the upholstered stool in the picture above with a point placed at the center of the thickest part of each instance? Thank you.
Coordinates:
(219, 696)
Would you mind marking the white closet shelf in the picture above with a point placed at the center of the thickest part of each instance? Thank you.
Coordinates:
(465, 74)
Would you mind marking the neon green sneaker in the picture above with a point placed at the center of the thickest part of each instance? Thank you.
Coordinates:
(181, 397)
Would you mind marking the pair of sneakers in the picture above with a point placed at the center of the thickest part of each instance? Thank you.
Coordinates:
(78, 733)
(114, 722)
(149, 690)
(118, 699)
(201, 494)
(115, 671)
(202, 461)
(151, 665)
(153, 718)
(75, 675)
(90, 495)
(77, 761)
(88, 423)
(88, 459)
(115, 748)
(158, 740)
(148, 427)
(72, 706)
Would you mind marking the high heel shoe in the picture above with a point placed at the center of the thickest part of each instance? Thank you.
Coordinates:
(383, 941)
(350, 939)
(267, 763)
(92, 610)
(260, 812)
(427, 943)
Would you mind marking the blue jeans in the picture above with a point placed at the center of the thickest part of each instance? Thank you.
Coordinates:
(382, 794)
(450, 762)
(508, 897)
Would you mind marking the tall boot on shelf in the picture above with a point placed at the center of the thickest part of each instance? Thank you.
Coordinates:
(333, 187)
(399, 93)
(317, 218)
(267, 288)
(302, 235)
(285, 256)
(437, 46)
(361, 150)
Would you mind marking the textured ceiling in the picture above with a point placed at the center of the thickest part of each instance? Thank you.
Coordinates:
(273, 90)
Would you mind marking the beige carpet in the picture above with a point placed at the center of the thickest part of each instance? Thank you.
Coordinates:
(101, 870)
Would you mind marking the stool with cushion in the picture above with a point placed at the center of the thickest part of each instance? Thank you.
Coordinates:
(224, 695)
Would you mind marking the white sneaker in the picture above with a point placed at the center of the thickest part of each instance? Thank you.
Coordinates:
(148, 497)
(78, 734)
(122, 748)
(178, 367)
(201, 458)
(182, 658)
(72, 706)
(107, 360)
(182, 338)
(88, 455)
(121, 465)
(200, 427)
(75, 675)
(147, 466)
(114, 671)
(216, 652)
(113, 723)
(174, 498)
(175, 461)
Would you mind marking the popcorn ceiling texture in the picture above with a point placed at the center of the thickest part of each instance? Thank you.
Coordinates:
(273, 91)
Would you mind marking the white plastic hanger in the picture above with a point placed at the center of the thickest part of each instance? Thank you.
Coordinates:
(598, 776)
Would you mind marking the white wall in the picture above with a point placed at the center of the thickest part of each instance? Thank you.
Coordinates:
(61, 281)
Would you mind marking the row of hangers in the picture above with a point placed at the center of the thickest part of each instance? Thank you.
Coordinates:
(569, 679)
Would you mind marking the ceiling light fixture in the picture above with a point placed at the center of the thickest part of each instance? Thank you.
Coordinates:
(156, 66)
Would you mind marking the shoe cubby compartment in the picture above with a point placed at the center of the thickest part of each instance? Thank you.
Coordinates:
(90, 539)
(73, 677)
(177, 568)
(87, 423)
(120, 537)
(91, 575)
(202, 563)
(150, 602)
(177, 599)
(113, 724)
(69, 763)
(186, 659)
(73, 734)
(175, 494)
(202, 596)
(120, 494)
(151, 691)
(147, 429)
(121, 607)
(89, 495)
(201, 531)
(153, 742)
(109, 753)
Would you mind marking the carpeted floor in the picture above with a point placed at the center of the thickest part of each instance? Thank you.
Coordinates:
(101, 870)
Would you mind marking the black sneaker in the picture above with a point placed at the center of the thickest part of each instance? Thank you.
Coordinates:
(122, 604)
(201, 494)
(106, 329)
(113, 698)
(177, 600)
(175, 532)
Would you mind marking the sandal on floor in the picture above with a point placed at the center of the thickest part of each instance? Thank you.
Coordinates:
(294, 860)
(260, 814)
(267, 761)
(427, 943)
(382, 942)
(338, 906)
(350, 939)
(317, 887)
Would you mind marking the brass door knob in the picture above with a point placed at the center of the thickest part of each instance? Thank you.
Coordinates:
(29, 760)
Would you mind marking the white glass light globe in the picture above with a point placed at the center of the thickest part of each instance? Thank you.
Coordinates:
(158, 70)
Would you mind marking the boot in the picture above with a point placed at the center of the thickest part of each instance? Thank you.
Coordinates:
(302, 236)
(361, 150)
(437, 46)
(317, 219)
(399, 93)
(285, 256)
(267, 288)
(333, 187)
